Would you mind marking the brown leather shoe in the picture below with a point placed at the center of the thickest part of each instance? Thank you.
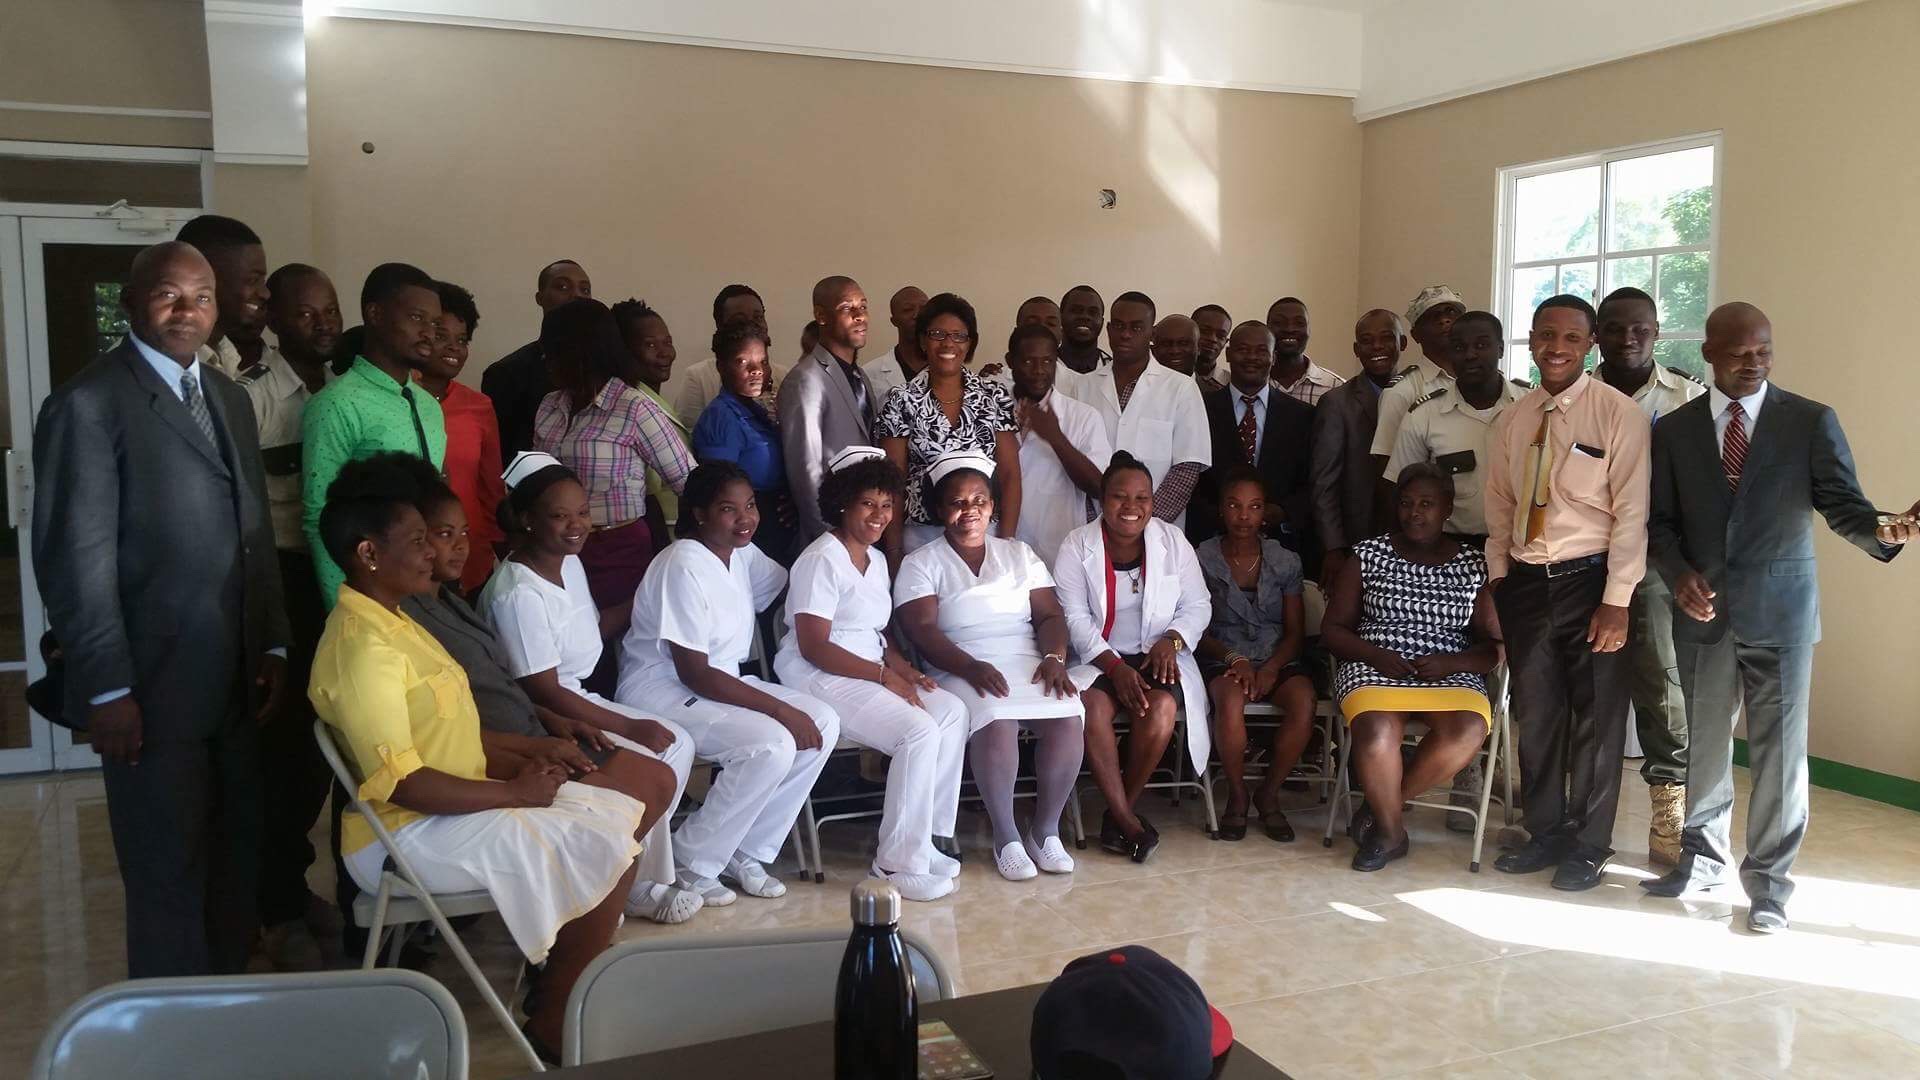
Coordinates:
(1669, 817)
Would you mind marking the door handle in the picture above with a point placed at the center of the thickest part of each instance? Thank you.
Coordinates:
(19, 489)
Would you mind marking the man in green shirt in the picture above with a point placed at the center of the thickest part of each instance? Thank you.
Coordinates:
(374, 406)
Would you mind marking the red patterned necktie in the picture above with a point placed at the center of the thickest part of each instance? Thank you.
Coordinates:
(1733, 451)
(1249, 427)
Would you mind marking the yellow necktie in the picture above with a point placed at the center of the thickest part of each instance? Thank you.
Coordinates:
(1542, 487)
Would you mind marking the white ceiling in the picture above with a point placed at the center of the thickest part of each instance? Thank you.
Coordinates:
(1388, 55)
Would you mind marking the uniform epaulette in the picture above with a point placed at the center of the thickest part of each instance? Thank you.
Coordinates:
(1689, 376)
(1521, 383)
(1397, 376)
(1435, 393)
(251, 375)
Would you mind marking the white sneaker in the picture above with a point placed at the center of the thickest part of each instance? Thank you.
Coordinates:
(753, 878)
(942, 864)
(1014, 864)
(917, 886)
(711, 892)
(669, 904)
(1050, 855)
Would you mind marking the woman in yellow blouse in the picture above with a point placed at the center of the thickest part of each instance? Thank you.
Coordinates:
(557, 856)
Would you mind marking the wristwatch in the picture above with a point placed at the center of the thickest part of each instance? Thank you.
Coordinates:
(1179, 643)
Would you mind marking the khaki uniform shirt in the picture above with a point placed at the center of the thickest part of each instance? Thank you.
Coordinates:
(279, 398)
(1413, 382)
(1444, 429)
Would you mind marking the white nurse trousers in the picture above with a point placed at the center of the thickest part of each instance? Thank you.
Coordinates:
(656, 860)
(927, 747)
(763, 780)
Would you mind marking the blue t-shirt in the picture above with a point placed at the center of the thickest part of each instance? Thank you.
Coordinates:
(734, 429)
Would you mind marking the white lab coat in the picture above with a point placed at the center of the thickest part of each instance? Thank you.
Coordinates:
(1173, 597)
(1051, 504)
(1165, 422)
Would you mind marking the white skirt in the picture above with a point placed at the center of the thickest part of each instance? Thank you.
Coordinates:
(544, 866)
(1025, 700)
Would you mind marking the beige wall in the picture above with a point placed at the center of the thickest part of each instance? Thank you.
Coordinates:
(670, 171)
(276, 200)
(144, 54)
(1817, 217)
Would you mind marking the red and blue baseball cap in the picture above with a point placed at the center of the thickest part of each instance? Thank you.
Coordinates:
(1127, 1014)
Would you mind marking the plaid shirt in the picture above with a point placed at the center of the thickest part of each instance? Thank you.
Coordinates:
(1313, 384)
(610, 444)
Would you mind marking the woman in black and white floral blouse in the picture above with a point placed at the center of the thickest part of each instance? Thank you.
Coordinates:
(946, 408)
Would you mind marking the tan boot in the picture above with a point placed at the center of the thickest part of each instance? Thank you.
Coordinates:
(1669, 816)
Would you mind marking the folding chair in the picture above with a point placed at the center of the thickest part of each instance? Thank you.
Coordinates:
(656, 994)
(1264, 715)
(391, 1024)
(1499, 736)
(402, 901)
(1176, 782)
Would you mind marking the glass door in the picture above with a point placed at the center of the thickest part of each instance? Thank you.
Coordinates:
(60, 282)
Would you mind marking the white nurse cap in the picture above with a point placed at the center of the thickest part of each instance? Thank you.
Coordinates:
(958, 459)
(525, 464)
(854, 455)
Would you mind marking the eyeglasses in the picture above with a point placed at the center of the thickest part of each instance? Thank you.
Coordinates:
(958, 337)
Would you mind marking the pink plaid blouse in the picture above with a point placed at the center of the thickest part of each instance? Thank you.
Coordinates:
(610, 444)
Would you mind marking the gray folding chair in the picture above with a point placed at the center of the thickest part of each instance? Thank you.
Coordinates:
(402, 901)
(655, 994)
(1263, 715)
(391, 1024)
(1499, 737)
(1176, 782)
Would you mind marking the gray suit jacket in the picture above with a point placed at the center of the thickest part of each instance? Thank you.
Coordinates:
(819, 417)
(153, 550)
(1342, 472)
(1755, 545)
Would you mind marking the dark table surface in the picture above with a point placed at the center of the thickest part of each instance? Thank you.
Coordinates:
(996, 1025)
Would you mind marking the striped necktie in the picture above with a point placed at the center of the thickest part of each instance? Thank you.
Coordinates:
(1733, 450)
(197, 407)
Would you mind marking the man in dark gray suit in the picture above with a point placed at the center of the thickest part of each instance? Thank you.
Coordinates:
(1343, 471)
(154, 552)
(826, 404)
(1735, 474)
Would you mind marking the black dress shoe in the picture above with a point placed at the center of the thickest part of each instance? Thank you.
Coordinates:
(1581, 870)
(1145, 844)
(1360, 829)
(1112, 839)
(948, 846)
(1376, 854)
(1684, 878)
(1767, 917)
(1533, 856)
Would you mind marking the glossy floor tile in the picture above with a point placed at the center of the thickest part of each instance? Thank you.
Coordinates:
(1422, 969)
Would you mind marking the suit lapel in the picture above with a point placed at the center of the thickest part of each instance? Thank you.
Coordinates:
(166, 404)
(830, 368)
(1702, 445)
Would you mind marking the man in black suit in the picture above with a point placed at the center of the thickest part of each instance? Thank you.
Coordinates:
(1736, 473)
(519, 380)
(155, 555)
(1253, 423)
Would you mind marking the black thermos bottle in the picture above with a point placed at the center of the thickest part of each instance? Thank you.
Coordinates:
(876, 1017)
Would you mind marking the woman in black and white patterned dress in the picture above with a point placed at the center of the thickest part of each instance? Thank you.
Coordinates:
(1415, 634)
(945, 409)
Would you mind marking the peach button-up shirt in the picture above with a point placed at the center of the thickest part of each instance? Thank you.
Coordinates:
(1598, 503)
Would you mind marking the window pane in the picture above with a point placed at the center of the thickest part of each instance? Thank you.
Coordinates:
(86, 181)
(1661, 200)
(1637, 272)
(1529, 288)
(1556, 214)
(1577, 278)
(1682, 354)
(1683, 291)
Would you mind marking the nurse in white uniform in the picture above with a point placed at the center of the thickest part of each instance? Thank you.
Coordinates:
(1136, 602)
(693, 624)
(549, 629)
(981, 610)
(839, 603)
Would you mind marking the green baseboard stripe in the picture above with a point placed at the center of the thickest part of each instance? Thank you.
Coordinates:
(1852, 780)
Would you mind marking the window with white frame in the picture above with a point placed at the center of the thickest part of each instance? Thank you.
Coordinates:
(1642, 216)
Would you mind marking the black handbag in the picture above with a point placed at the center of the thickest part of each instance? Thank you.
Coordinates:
(48, 694)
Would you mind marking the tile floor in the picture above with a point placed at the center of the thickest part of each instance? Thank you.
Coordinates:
(1423, 969)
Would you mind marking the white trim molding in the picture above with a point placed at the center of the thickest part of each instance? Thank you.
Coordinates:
(220, 158)
(105, 110)
(256, 13)
(1269, 46)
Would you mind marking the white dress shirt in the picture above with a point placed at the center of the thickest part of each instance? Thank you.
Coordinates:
(1718, 402)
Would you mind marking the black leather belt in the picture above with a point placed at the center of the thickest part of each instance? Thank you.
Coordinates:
(1566, 568)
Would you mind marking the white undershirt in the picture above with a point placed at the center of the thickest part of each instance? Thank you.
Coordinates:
(1127, 586)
